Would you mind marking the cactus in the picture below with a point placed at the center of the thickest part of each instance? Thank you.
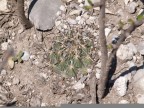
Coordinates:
(70, 53)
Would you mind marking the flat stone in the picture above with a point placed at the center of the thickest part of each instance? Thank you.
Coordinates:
(43, 13)
(4, 46)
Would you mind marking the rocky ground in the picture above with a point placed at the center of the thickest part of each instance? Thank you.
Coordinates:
(34, 83)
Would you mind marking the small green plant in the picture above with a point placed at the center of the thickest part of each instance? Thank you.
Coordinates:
(90, 6)
(70, 53)
(18, 57)
(140, 16)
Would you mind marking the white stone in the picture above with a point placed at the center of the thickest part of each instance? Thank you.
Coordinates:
(25, 56)
(120, 86)
(132, 7)
(57, 23)
(98, 73)
(138, 80)
(75, 12)
(90, 20)
(107, 31)
(85, 15)
(81, 5)
(82, 21)
(71, 21)
(8, 83)
(140, 47)
(3, 72)
(16, 81)
(126, 1)
(79, 85)
(3, 6)
(78, 18)
(80, 1)
(140, 99)
(124, 102)
(58, 13)
(43, 104)
(132, 47)
(4, 46)
(62, 8)
(44, 75)
(126, 52)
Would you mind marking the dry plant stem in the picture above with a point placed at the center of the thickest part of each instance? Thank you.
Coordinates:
(21, 14)
(104, 52)
(93, 84)
(123, 36)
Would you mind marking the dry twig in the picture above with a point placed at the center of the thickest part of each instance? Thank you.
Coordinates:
(106, 62)
(103, 48)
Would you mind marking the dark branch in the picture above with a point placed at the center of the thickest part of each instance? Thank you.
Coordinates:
(21, 14)
(104, 52)
(123, 36)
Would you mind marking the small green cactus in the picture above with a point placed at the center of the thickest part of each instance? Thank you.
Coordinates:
(18, 57)
(70, 53)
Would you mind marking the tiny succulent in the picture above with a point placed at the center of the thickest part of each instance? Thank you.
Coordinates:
(18, 57)
(70, 53)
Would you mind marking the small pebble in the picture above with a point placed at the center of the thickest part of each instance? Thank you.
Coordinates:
(107, 31)
(3, 72)
(98, 73)
(26, 56)
(16, 81)
(71, 21)
(79, 85)
(62, 8)
(124, 102)
(4, 46)
(43, 104)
